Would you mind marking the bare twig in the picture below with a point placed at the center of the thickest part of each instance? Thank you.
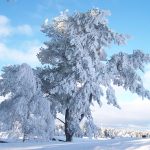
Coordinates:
(60, 120)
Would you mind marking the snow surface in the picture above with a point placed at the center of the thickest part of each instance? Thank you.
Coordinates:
(82, 144)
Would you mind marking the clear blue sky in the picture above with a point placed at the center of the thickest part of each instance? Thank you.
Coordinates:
(20, 22)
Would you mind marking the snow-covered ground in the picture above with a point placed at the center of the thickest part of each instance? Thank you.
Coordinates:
(103, 144)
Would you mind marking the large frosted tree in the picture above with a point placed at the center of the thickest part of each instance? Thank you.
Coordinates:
(25, 112)
(77, 70)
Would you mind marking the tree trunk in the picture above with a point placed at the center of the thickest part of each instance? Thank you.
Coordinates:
(68, 132)
(24, 137)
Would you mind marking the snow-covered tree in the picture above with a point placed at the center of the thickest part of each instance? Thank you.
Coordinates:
(76, 67)
(25, 112)
(90, 129)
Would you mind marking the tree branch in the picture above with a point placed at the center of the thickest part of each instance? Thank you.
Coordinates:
(60, 120)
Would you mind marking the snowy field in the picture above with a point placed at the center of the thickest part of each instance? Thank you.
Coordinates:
(104, 144)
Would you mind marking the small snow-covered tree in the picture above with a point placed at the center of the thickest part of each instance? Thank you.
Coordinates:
(25, 111)
(76, 66)
(90, 129)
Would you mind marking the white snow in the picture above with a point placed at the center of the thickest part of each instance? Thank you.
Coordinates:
(82, 144)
